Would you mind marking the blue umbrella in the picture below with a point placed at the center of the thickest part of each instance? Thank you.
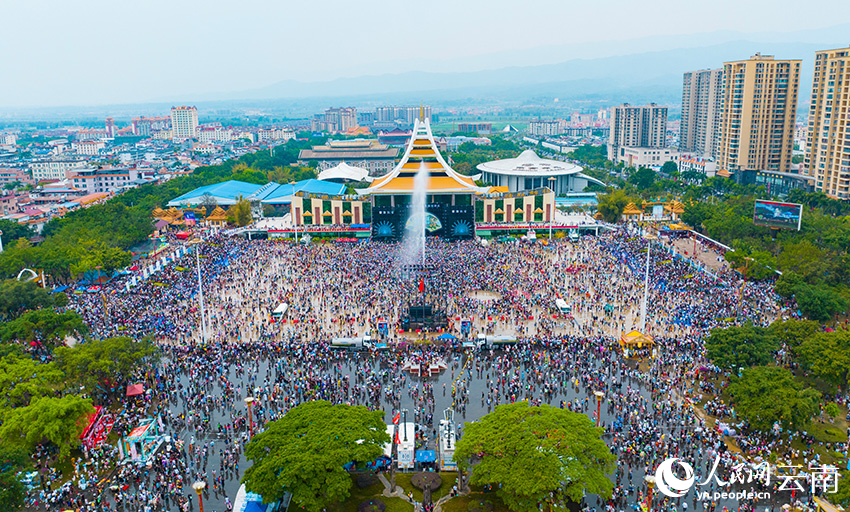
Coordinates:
(446, 336)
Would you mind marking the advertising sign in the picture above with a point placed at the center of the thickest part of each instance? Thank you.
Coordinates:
(778, 215)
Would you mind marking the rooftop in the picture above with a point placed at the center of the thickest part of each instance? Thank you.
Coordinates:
(529, 164)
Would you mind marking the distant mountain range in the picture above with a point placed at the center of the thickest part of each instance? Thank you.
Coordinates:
(656, 73)
(591, 73)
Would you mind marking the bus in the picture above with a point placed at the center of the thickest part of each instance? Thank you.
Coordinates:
(562, 306)
(280, 311)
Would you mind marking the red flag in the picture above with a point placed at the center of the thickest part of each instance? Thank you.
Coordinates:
(395, 418)
(421, 284)
(397, 440)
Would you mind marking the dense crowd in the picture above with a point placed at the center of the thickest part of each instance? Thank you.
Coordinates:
(346, 289)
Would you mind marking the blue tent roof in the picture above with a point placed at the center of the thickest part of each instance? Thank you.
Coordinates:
(446, 336)
(254, 506)
(224, 193)
(276, 194)
(426, 456)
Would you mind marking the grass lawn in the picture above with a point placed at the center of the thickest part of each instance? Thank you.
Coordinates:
(359, 495)
(449, 479)
(461, 503)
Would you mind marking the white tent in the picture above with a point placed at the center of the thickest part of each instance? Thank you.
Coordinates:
(345, 172)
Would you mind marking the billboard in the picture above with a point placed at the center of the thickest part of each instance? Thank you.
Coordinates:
(778, 215)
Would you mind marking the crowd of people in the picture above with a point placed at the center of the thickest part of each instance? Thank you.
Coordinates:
(199, 386)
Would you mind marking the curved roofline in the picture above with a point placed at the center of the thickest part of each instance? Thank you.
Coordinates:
(512, 166)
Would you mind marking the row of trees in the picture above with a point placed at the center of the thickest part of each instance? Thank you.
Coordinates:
(47, 389)
(533, 455)
(764, 393)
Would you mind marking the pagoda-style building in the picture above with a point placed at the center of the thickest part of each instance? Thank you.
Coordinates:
(450, 206)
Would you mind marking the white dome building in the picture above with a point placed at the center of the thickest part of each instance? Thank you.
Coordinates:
(344, 173)
(528, 172)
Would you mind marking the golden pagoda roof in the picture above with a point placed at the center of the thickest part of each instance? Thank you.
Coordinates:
(539, 210)
(158, 212)
(632, 209)
(218, 214)
(675, 207)
(307, 213)
(499, 211)
(598, 216)
(422, 154)
(346, 213)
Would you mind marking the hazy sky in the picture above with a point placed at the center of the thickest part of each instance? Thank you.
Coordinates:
(89, 52)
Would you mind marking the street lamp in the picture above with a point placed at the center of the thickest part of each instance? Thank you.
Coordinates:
(599, 396)
(292, 213)
(552, 207)
(649, 239)
(1, 241)
(404, 426)
(199, 488)
(650, 482)
(196, 242)
(249, 401)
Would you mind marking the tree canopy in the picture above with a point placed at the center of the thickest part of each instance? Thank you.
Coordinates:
(304, 453)
(104, 367)
(765, 395)
(60, 421)
(743, 346)
(19, 296)
(45, 328)
(827, 355)
(536, 454)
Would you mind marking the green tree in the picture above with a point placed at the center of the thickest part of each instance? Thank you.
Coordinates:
(611, 205)
(744, 346)
(819, 302)
(304, 453)
(18, 296)
(105, 366)
(533, 453)
(764, 395)
(643, 178)
(827, 355)
(45, 328)
(240, 213)
(13, 460)
(22, 379)
(670, 168)
(59, 421)
(791, 332)
(13, 231)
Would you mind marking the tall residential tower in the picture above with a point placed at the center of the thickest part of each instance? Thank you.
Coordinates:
(702, 102)
(643, 127)
(759, 108)
(184, 121)
(828, 141)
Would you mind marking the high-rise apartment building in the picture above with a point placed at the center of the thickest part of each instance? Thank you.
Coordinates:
(759, 107)
(644, 127)
(335, 120)
(702, 108)
(401, 117)
(827, 159)
(184, 122)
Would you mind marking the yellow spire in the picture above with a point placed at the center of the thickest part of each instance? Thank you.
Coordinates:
(422, 112)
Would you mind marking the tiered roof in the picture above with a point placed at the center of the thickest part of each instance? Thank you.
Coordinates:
(217, 215)
(422, 152)
(632, 209)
